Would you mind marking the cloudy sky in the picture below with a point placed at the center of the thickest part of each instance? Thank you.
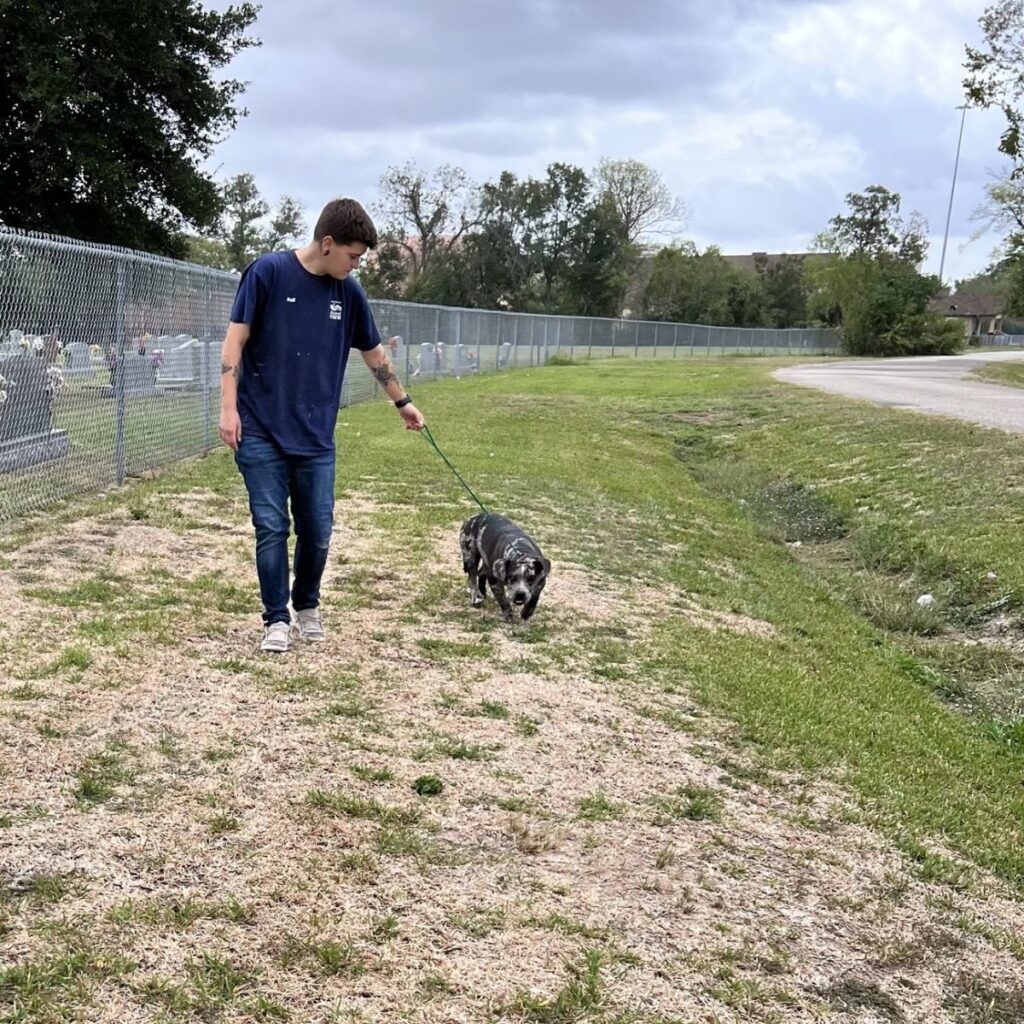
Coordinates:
(761, 114)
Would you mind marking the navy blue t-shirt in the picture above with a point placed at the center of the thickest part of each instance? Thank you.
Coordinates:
(301, 327)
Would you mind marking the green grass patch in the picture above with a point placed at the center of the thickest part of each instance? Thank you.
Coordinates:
(688, 803)
(347, 805)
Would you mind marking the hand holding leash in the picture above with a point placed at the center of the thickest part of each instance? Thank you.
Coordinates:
(412, 416)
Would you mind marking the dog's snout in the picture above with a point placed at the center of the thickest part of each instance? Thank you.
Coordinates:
(519, 597)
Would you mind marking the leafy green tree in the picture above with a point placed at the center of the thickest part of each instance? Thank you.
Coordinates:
(995, 72)
(243, 230)
(107, 111)
(687, 286)
(502, 260)
(208, 252)
(869, 284)
(785, 289)
(873, 227)
(1002, 210)
(552, 209)
(599, 262)
(384, 272)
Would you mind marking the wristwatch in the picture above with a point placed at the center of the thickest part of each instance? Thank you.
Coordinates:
(402, 402)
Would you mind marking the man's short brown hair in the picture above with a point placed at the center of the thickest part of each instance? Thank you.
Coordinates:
(346, 222)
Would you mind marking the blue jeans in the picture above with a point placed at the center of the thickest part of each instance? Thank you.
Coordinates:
(271, 478)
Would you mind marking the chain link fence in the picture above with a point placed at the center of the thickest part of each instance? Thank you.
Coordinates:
(110, 359)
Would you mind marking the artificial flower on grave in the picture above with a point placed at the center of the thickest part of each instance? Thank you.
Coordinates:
(54, 380)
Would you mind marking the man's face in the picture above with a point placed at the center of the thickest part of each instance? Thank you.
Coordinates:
(340, 260)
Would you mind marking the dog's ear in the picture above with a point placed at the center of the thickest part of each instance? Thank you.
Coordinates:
(541, 566)
(499, 570)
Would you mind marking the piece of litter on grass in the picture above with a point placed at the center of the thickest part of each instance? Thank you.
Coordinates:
(991, 575)
(926, 600)
(492, 455)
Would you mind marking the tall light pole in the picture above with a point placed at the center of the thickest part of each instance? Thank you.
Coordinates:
(952, 190)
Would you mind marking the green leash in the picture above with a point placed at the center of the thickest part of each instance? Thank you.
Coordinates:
(430, 437)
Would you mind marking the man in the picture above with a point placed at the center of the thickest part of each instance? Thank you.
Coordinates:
(295, 317)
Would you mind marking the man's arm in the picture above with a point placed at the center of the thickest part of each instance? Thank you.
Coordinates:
(380, 366)
(230, 370)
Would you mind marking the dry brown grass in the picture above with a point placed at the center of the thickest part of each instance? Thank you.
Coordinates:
(172, 798)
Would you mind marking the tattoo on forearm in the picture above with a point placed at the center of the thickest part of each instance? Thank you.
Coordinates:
(384, 374)
(235, 371)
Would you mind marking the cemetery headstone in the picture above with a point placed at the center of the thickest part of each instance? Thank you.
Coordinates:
(177, 368)
(139, 376)
(428, 362)
(27, 436)
(77, 360)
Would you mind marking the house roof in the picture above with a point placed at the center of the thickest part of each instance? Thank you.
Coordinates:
(963, 305)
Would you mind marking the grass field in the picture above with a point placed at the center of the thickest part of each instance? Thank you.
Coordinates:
(1011, 374)
(734, 769)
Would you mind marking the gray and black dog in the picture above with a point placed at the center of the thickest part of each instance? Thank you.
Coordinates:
(497, 551)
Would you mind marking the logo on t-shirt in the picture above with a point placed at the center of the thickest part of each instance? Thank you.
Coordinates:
(335, 313)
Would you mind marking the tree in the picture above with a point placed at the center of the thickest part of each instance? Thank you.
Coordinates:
(239, 229)
(242, 231)
(869, 284)
(107, 112)
(384, 271)
(687, 286)
(640, 195)
(599, 261)
(785, 290)
(874, 228)
(1003, 210)
(995, 73)
(552, 208)
(424, 214)
(881, 307)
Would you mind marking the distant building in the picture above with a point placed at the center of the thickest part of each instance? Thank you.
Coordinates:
(981, 315)
(757, 262)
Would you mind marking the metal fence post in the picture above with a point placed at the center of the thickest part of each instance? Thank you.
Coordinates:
(437, 341)
(120, 340)
(590, 338)
(636, 340)
(205, 384)
(675, 340)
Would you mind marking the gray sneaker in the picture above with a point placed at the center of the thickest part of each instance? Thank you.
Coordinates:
(309, 626)
(277, 638)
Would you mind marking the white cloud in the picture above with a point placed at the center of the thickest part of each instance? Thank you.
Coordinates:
(880, 50)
